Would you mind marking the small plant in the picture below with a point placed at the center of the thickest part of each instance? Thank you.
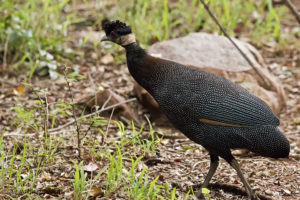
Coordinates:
(138, 185)
(19, 181)
(2, 162)
(148, 145)
(25, 117)
(79, 184)
(115, 171)
(13, 170)
(206, 192)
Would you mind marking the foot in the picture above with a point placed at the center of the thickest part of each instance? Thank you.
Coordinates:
(200, 195)
(253, 196)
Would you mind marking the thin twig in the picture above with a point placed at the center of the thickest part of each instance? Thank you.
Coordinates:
(46, 110)
(107, 100)
(112, 112)
(5, 52)
(91, 114)
(89, 128)
(74, 113)
(293, 8)
(46, 117)
(236, 46)
(103, 106)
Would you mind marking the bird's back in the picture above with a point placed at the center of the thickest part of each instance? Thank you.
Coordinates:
(203, 95)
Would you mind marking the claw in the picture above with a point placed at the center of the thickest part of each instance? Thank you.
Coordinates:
(200, 195)
(253, 196)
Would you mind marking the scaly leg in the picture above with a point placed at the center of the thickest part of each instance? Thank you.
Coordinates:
(250, 192)
(214, 162)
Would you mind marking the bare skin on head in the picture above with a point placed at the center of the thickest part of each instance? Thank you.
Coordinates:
(126, 40)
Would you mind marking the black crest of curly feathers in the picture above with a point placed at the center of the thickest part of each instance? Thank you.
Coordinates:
(117, 27)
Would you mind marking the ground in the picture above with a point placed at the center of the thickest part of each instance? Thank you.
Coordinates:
(175, 160)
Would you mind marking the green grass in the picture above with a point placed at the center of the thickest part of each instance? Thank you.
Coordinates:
(79, 182)
(31, 33)
(23, 167)
(25, 163)
(170, 20)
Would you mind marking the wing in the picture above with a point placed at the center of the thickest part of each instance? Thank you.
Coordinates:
(219, 101)
(210, 98)
(241, 110)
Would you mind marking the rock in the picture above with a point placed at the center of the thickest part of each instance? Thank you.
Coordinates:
(286, 191)
(205, 51)
(107, 59)
(217, 55)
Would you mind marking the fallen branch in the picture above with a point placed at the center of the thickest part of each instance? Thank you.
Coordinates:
(91, 114)
(267, 83)
(293, 9)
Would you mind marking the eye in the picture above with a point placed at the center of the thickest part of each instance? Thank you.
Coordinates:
(113, 35)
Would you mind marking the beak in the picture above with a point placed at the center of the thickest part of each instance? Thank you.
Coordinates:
(105, 38)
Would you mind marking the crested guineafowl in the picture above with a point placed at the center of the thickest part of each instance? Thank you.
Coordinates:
(210, 110)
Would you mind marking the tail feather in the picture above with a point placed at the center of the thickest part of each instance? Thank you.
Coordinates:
(268, 141)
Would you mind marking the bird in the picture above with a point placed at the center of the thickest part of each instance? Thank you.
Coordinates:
(210, 110)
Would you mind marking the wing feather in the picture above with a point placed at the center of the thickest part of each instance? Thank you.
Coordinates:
(242, 109)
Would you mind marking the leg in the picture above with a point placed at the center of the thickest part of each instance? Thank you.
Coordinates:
(250, 192)
(214, 162)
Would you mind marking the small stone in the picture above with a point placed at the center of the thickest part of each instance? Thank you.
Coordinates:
(286, 191)
(295, 90)
(107, 59)
(269, 192)
(90, 167)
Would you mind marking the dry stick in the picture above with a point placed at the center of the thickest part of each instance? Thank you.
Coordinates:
(111, 115)
(5, 52)
(46, 111)
(105, 103)
(107, 100)
(46, 117)
(91, 114)
(89, 128)
(74, 114)
(236, 46)
(293, 9)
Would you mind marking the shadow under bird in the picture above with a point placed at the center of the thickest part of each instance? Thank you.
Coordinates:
(210, 110)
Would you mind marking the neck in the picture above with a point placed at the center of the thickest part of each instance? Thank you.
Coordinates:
(139, 64)
(134, 50)
(127, 40)
(134, 55)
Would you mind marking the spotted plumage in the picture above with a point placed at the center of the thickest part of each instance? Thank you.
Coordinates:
(210, 110)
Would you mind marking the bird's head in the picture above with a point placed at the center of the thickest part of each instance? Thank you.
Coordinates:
(118, 32)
